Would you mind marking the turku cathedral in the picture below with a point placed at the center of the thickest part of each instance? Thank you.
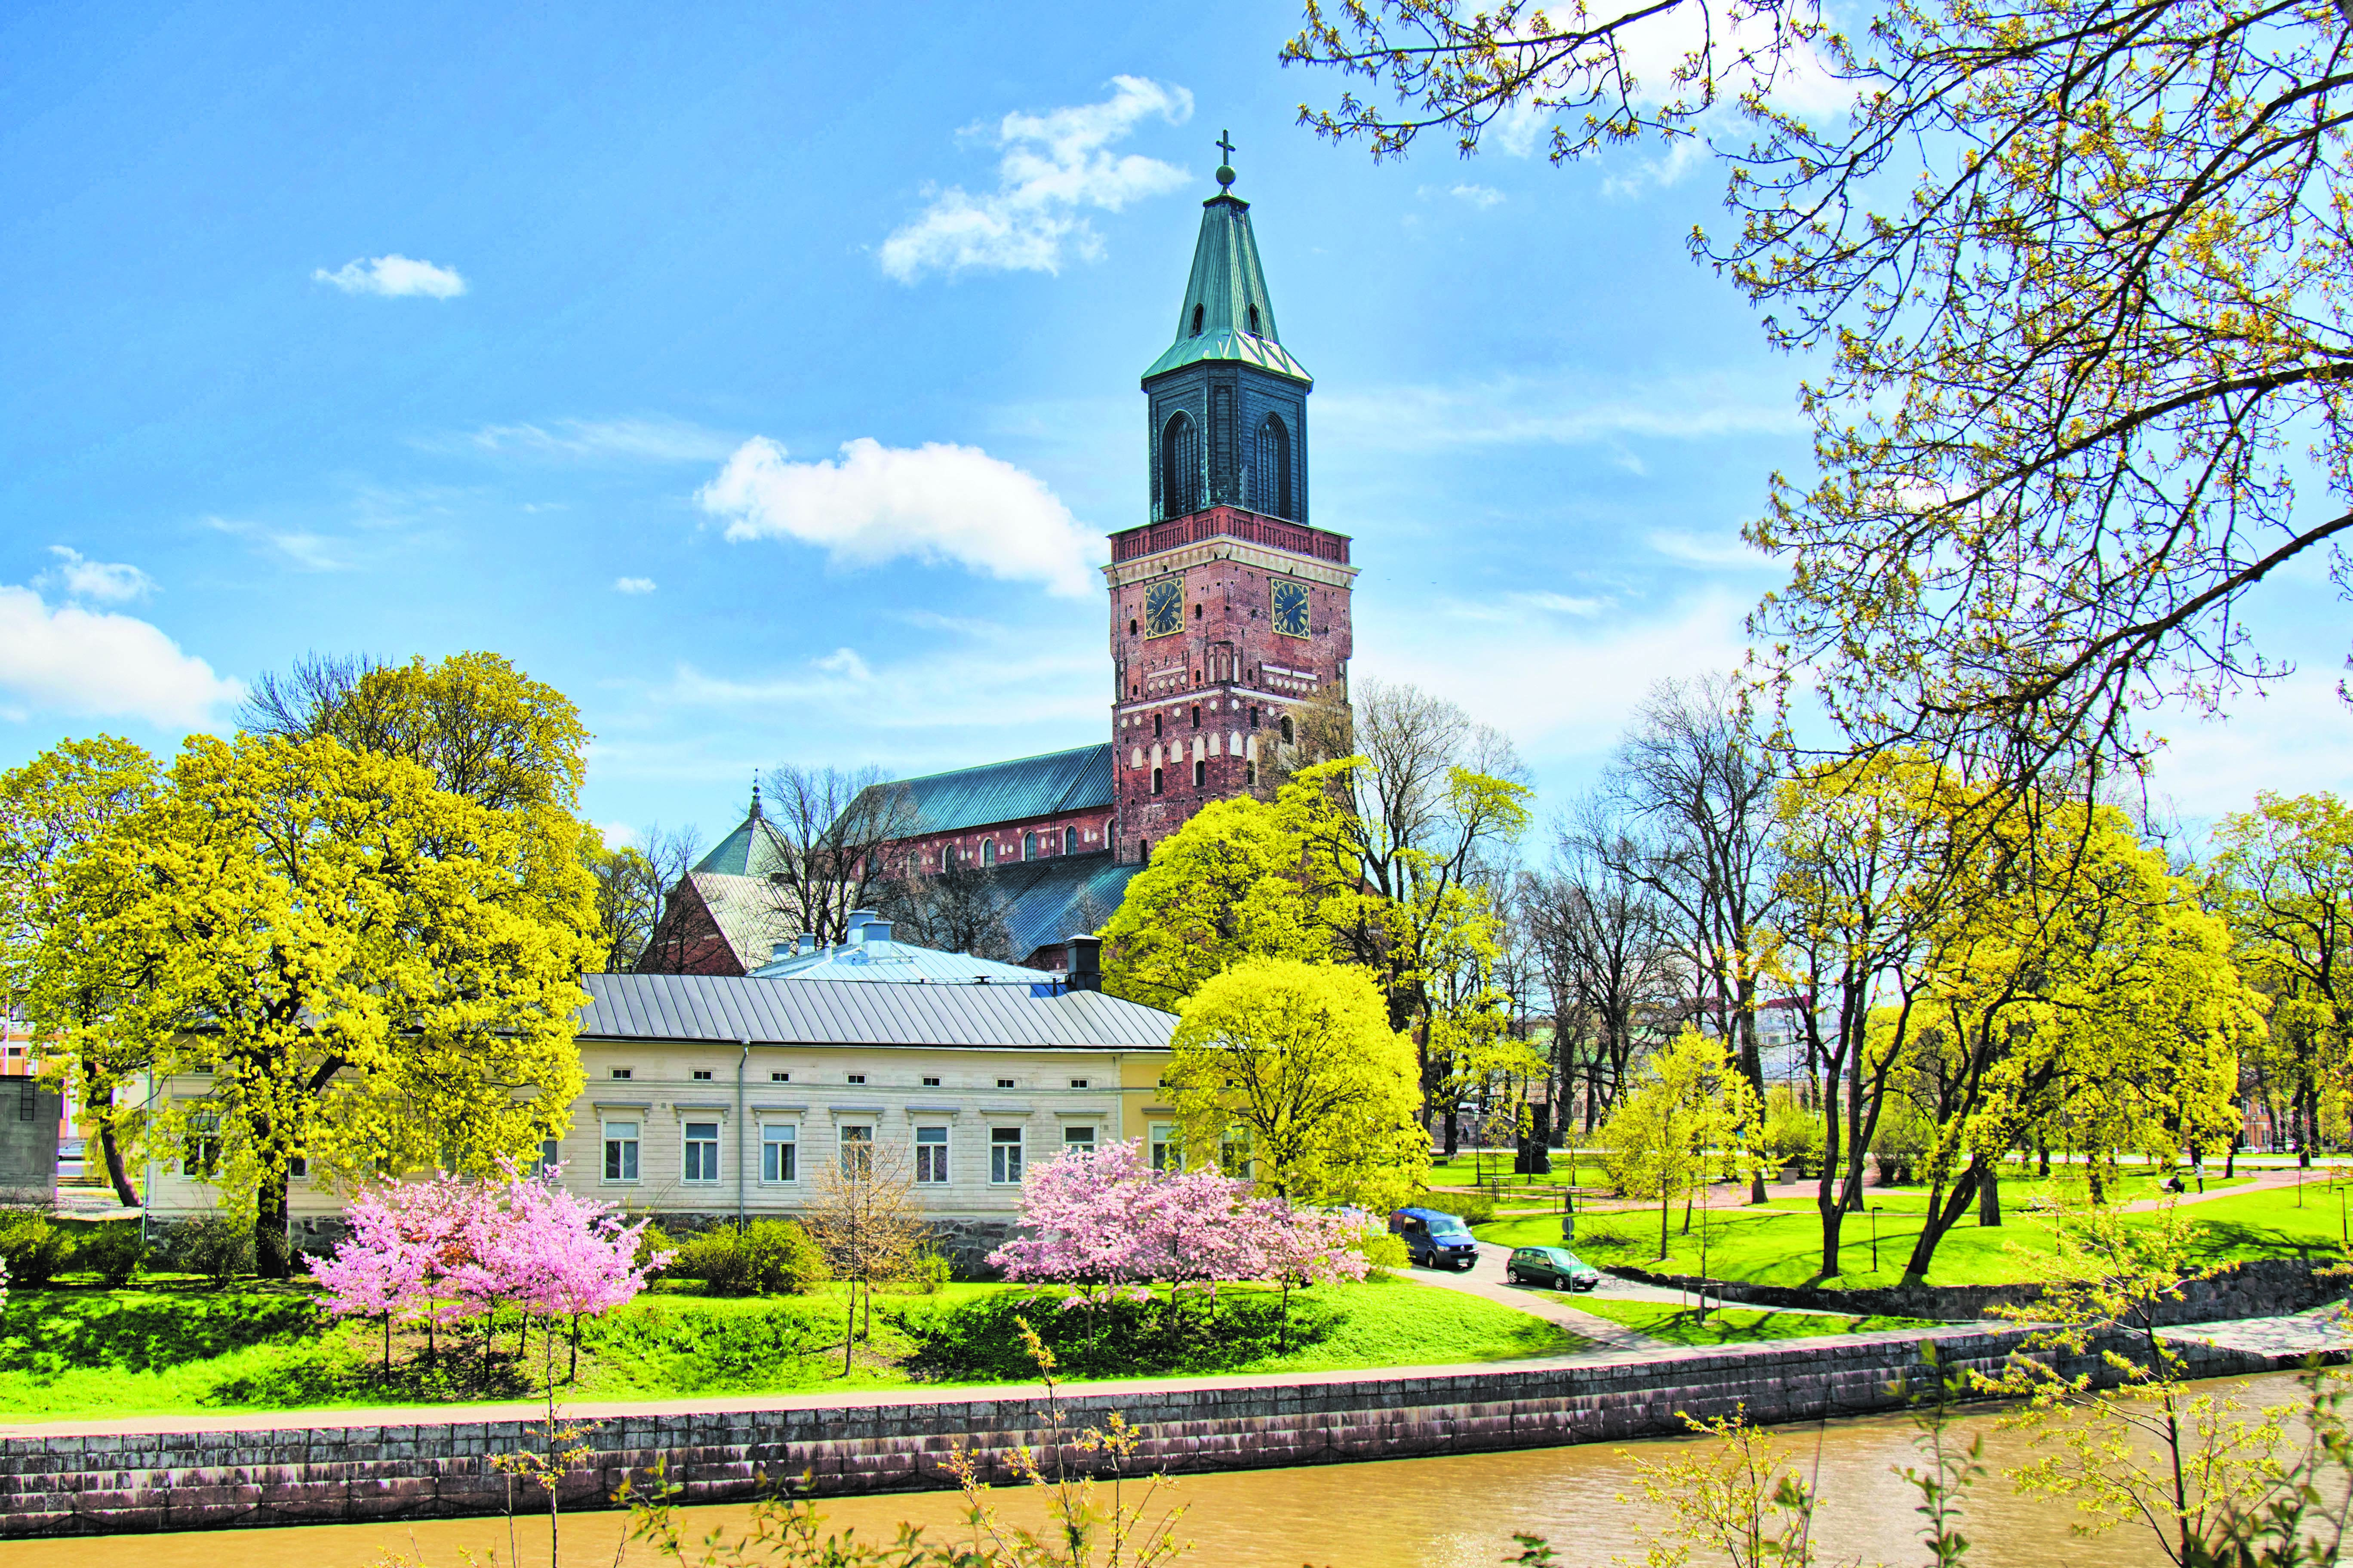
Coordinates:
(1227, 608)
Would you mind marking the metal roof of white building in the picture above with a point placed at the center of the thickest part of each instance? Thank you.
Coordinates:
(873, 1013)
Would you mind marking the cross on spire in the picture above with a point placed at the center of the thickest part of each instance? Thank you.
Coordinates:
(1224, 143)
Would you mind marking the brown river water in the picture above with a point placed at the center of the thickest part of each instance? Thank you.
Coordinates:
(1448, 1513)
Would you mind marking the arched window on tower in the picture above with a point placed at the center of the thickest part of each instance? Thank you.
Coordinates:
(1029, 846)
(1070, 841)
(1199, 312)
(1253, 321)
(1180, 467)
(988, 851)
(1270, 467)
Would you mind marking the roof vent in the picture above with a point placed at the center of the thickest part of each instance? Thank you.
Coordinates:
(782, 951)
(878, 930)
(805, 942)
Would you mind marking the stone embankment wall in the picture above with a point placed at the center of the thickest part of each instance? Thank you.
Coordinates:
(2267, 1289)
(89, 1484)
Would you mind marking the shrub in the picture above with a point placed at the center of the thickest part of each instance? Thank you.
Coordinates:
(926, 1272)
(765, 1257)
(1473, 1208)
(1384, 1252)
(112, 1252)
(653, 1239)
(216, 1246)
(34, 1245)
(979, 1340)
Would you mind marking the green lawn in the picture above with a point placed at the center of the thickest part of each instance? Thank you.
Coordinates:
(1781, 1243)
(174, 1344)
(1728, 1325)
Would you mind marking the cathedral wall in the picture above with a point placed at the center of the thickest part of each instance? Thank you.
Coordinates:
(1093, 826)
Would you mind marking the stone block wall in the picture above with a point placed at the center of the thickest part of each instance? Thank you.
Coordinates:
(97, 1484)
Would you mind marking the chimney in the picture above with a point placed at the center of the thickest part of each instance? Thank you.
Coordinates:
(805, 942)
(782, 951)
(1085, 962)
(878, 930)
(854, 929)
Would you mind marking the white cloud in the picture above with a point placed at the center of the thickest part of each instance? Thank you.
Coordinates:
(393, 276)
(1529, 411)
(1055, 165)
(934, 502)
(82, 578)
(617, 835)
(1054, 684)
(1562, 689)
(1481, 196)
(636, 440)
(100, 663)
(1692, 550)
(310, 552)
(633, 584)
(2291, 740)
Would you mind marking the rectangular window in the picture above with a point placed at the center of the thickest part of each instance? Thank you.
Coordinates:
(1004, 1083)
(1005, 1155)
(930, 1156)
(298, 1169)
(779, 1152)
(620, 1150)
(622, 1073)
(201, 1151)
(857, 1152)
(1234, 1152)
(1081, 1139)
(702, 1075)
(702, 1151)
(1165, 1155)
(550, 1156)
(1200, 774)
(1078, 1083)
(780, 1077)
(930, 1083)
(857, 1078)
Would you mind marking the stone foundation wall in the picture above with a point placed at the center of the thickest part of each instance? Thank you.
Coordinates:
(2266, 1289)
(110, 1483)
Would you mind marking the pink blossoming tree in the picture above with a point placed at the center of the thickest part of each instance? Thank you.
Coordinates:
(444, 1250)
(1105, 1221)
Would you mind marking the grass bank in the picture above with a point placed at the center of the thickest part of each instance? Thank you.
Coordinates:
(173, 1345)
(1781, 1243)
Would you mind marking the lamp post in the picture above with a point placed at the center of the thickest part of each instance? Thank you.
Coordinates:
(1874, 1238)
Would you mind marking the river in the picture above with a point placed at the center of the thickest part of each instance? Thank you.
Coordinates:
(1449, 1512)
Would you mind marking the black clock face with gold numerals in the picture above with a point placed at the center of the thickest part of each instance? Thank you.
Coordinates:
(1163, 606)
(1290, 609)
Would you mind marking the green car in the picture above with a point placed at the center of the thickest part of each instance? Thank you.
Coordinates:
(1555, 1267)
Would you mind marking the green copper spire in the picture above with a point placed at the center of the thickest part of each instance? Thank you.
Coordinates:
(1226, 314)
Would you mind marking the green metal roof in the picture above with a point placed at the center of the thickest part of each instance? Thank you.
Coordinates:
(754, 850)
(1047, 899)
(1009, 791)
(1227, 282)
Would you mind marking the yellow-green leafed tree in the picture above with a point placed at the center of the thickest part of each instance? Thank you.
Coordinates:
(1236, 881)
(377, 972)
(2078, 974)
(72, 984)
(2284, 878)
(1300, 1060)
(1691, 1104)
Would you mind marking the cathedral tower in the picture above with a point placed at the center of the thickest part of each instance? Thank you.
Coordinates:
(1226, 607)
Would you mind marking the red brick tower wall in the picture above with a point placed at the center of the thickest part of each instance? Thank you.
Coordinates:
(1219, 687)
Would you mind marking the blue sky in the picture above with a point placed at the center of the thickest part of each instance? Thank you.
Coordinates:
(765, 378)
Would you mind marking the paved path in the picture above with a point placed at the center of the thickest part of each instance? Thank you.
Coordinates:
(2328, 1328)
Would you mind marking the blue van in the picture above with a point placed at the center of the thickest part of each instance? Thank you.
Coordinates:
(1435, 1238)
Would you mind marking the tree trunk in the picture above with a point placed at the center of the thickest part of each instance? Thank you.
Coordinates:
(272, 1251)
(120, 1178)
(1940, 1218)
(1454, 1133)
(1989, 1199)
(2042, 1150)
(1752, 1067)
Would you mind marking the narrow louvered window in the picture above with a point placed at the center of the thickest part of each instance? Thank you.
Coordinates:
(1180, 467)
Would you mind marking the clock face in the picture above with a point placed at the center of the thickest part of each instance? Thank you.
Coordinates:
(1164, 608)
(1290, 609)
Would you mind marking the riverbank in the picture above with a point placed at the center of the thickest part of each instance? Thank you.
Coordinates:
(255, 1470)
